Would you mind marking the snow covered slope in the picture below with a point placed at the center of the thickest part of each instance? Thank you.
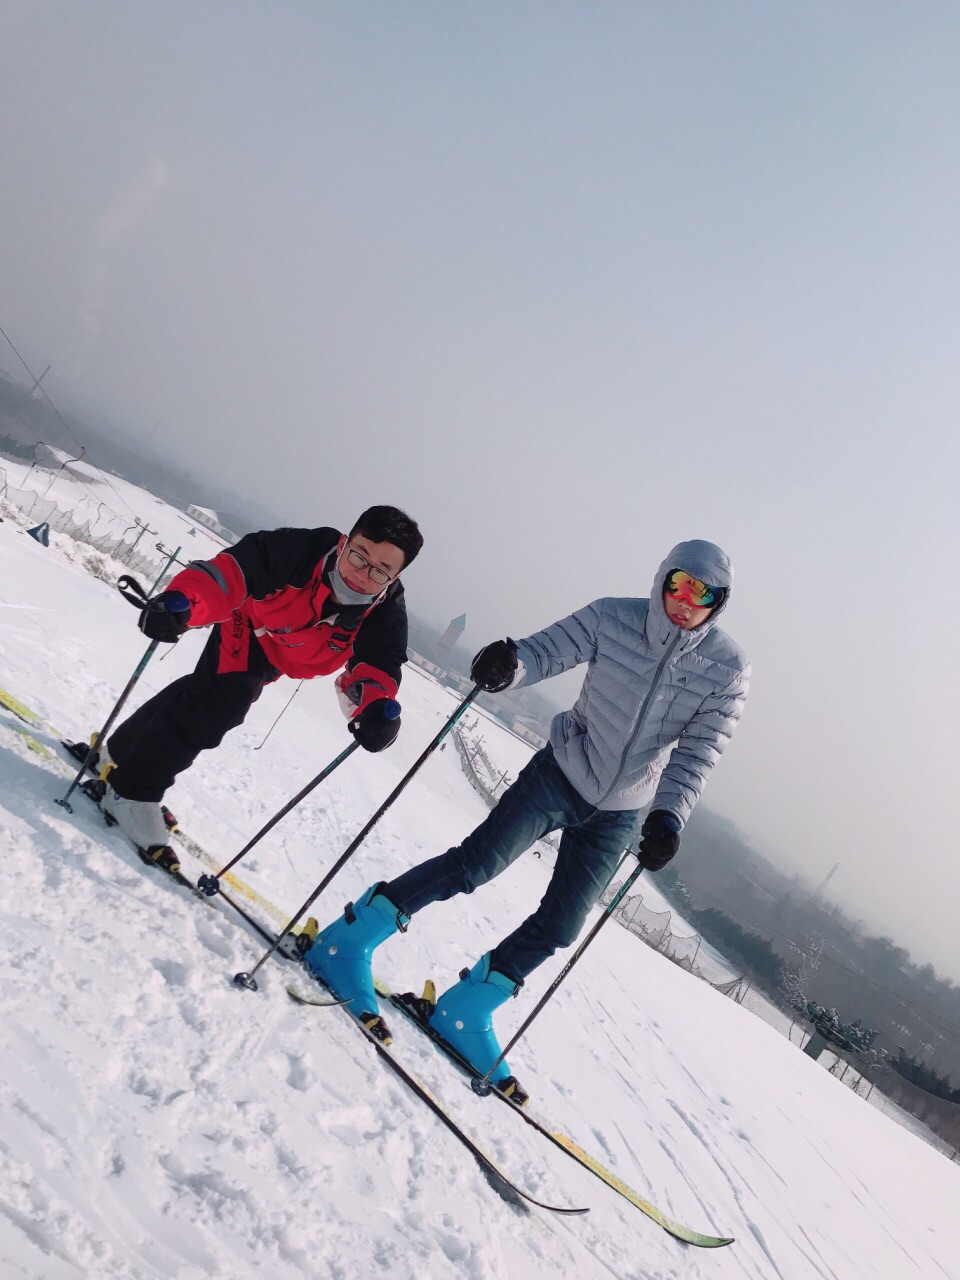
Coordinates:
(155, 1121)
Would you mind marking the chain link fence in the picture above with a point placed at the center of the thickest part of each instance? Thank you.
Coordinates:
(685, 950)
(487, 780)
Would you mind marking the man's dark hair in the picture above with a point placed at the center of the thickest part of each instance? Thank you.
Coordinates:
(390, 524)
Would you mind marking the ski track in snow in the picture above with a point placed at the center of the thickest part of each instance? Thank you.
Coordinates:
(157, 1122)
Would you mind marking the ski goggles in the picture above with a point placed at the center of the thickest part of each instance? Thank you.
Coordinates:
(684, 586)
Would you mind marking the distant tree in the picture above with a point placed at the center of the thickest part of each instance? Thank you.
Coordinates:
(15, 448)
(927, 977)
(885, 957)
(675, 891)
(859, 1036)
(794, 979)
(751, 949)
(924, 1077)
(853, 1036)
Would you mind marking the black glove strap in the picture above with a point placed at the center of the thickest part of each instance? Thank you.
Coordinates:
(131, 590)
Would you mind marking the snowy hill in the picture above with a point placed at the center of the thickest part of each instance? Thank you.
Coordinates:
(159, 1122)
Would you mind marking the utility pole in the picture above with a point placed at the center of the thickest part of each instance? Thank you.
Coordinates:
(143, 530)
(826, 880)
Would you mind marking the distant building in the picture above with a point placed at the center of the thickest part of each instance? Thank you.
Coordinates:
(425, 664)
(210, 520)
(462, 684)
(528, 728)
(528, 734)
(439, 673)
(453, 633)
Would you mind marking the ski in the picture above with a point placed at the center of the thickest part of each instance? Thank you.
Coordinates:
(79, 750)
(316, 1002)
(35, 745)
(561, 1140)
(17, 707)
(93, 788)
(495, 1175)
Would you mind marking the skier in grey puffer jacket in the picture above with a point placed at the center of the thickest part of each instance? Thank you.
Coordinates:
(663, 693)
(654, 694)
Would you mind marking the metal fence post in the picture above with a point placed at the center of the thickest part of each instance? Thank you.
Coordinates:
(160, 576)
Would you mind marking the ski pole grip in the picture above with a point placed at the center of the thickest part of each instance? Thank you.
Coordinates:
(173, 602)
(392, 710)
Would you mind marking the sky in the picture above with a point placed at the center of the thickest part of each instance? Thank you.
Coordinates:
(570, 283)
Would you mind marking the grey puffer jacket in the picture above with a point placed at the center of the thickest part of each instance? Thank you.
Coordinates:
(658, 704)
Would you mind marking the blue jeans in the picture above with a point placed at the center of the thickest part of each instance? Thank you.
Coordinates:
(540, 800)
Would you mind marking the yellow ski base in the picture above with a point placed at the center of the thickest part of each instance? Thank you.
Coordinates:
(16, 706)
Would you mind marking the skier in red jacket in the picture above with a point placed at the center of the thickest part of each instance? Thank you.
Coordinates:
(295, 602)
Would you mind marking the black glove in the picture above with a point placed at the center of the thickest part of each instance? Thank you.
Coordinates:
(495, 666)
(376, 726)
(659, 839)
(166, 617)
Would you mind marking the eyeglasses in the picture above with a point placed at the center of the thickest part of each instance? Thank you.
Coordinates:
(376, 574)
(684, 586)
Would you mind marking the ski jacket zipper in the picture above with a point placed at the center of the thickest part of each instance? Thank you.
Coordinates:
(644, 707)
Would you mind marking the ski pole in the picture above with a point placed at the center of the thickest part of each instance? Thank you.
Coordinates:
(131, 591)
(277, 721)
(211, 884)
(247, 979)
(163, 572)
(483, 1086)
(626, 855)
(95, 743)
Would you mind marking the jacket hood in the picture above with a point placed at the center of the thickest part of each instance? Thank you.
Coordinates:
(703, 560)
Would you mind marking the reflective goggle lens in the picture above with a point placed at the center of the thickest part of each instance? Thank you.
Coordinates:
(700, 594)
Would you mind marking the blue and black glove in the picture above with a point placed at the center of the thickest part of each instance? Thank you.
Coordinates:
(659, 839)
(377, 725)
(166, 617)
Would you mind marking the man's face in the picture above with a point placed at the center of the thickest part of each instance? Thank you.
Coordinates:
(682, 613)
(367, 567)
(688, 601)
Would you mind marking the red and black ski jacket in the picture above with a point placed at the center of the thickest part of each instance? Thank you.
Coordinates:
(275, 586)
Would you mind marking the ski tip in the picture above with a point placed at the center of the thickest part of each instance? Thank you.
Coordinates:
(297, 996)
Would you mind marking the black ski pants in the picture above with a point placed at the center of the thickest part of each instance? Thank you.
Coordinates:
(166, 734)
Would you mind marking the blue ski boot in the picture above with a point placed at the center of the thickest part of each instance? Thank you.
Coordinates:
(463, 1018)
(340, 954)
